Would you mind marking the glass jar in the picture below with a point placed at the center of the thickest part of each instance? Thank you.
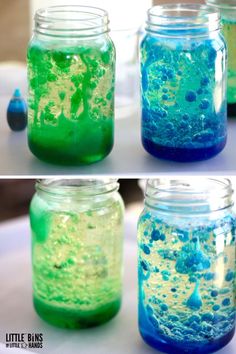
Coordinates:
(71, 75)
(183, 70)
(228, 15)
(186, 238)
(77, 237)
(127, 98)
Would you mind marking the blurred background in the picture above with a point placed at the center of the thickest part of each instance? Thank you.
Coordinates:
(17, 193)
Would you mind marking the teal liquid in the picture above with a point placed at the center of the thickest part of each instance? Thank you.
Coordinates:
(186, 283)
(184, 109)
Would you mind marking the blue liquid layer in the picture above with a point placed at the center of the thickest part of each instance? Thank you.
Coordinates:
(181, 154)
(184, 108)
(178, 348)
(186, 285)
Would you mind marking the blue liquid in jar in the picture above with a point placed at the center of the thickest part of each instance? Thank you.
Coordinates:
(186, 283)
(184, 104)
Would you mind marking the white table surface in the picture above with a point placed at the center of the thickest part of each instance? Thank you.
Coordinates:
(119, 336)
(127, 158)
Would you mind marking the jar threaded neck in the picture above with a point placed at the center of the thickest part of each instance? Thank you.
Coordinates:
(178, 20)
(77, 188)
(71, 21)
(195, 195)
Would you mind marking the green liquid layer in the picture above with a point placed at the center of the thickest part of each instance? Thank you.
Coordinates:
(71, 102)
(77, 262)
(75, 318)
(229, 32)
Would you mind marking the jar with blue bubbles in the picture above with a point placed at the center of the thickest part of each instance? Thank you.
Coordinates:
(186, 265)
(183, 72)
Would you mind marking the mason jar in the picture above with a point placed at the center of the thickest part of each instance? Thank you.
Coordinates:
(71, 78)
(183, 72)
(77, 237)
(186, 268)
(227, 9)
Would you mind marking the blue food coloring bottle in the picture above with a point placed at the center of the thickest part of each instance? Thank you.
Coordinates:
(17, 112)
(186, 265)
(183, 89)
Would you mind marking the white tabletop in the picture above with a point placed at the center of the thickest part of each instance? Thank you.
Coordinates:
(127, 158)
(119, 336)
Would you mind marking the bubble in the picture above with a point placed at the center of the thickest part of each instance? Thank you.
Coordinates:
(164, 307)
(214, 293)
(191, 96)
(165, 275)
(204, 104)
(155, 235)
(165, 97)
(146, 249)
(229, 276)
(216, 307)
(205, 81)
(226, 302)
(144, 265)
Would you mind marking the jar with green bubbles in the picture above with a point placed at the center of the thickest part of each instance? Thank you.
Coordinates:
(77, 241)
(71, 79)
(227, 9)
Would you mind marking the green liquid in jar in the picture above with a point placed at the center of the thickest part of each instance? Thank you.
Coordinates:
(71, 102)
(77, 265)
(229, 32)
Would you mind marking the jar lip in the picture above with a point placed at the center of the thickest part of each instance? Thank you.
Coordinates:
(195, 192)
(68, 187)
(183, 17)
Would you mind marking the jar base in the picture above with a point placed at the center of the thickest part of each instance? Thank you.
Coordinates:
(76, 319)
(193, 348)
(181, 154)
(46, 154)
(231, 109)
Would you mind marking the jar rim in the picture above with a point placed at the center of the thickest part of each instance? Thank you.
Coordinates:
(71, 21)
(81, 188)
(182, 17)
(196, 192)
